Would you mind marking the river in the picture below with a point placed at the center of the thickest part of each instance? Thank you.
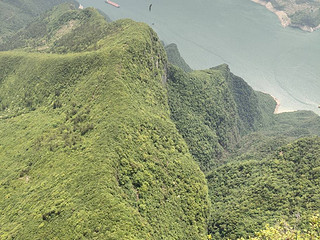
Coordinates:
(283, 62)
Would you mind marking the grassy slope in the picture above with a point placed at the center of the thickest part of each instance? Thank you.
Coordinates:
(88, 147)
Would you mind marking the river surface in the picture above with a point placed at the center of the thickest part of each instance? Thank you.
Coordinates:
(283, 62)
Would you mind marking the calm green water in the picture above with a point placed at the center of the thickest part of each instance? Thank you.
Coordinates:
(284, 62)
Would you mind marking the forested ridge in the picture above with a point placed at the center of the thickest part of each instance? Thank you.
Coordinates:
(107, 134)
(244, 149)
(88, 149)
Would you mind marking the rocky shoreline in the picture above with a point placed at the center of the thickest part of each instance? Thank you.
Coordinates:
(276, 110)
(283, 17)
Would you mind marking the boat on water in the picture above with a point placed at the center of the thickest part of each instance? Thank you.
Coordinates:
(113, 3)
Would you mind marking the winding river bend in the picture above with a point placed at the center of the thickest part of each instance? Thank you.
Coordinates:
(283, 62)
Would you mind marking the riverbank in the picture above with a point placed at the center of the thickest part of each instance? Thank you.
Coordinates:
(283, 17)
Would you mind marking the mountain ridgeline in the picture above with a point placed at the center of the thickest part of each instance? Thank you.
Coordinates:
(88, 148)
(254, 177)
(106, 134)
(212, 109)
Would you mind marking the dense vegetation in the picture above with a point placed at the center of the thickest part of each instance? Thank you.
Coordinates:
(195, 101)
(282, 129)
(283, 230)
(249, 194)
(16, 14)
(205, 113)
(213, 108)
(255, 109)
(88, 148)
(102, 138)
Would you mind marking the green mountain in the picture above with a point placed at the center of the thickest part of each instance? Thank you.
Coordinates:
(223, 119)
(88, 148)
(16, 14)
(106, 134)
(230, 127)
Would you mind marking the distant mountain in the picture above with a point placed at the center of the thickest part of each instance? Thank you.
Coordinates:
(16, 14)
(175, 58)
(60, 30)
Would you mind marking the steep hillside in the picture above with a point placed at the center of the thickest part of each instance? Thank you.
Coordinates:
(175, 58)
(249, 194)
(102, 138)
(232, 130)
(204, 110)
(213, 109)
(254, 109)
(88, 148)
(16, 14)
(223, 119)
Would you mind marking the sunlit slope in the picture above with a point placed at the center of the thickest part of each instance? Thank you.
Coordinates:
(88, 149)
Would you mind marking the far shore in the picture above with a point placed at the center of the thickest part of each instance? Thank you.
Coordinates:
(283, 17)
